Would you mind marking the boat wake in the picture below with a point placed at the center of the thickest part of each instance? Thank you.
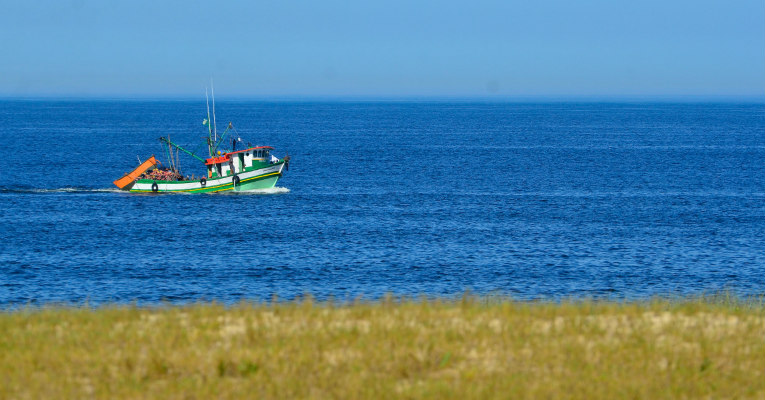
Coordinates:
(59, 190)
(273, 190)
(28, 190)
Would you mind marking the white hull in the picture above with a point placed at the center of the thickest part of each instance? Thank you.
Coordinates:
(245, 180)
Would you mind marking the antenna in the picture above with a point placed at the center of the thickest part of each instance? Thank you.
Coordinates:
(215, 127)
(209, 127)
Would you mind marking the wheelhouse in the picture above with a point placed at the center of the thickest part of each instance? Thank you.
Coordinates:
(236, 162)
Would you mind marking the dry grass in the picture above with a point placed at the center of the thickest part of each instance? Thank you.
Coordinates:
(390, 349)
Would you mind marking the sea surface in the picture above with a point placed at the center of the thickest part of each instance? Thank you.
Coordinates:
(531, 200)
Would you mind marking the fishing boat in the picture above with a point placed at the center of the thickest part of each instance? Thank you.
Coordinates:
(253, 167)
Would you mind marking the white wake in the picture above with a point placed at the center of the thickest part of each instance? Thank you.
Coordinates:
(273, 190)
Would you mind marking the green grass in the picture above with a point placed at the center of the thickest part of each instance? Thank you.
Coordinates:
(473, 348)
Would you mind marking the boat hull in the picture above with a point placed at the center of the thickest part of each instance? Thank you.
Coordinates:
(262, 178)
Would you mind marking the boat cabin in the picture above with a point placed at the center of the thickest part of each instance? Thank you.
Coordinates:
(235, 162)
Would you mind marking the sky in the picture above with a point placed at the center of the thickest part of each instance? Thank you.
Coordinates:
(382, 48)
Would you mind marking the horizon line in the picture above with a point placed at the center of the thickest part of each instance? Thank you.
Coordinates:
(749, 98)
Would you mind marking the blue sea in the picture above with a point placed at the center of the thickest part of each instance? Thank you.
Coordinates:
(530, 200)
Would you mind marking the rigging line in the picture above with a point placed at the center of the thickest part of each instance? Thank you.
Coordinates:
(170, 150)
(237, 133)
(199, 147)
(195, 149)
(172, 158)
(167, 152)
(209, 127)
(215, 127)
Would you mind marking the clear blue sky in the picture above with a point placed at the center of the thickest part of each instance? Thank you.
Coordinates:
(382, 48)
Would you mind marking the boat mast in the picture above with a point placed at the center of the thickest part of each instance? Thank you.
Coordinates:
(215, 127)
(209, 127)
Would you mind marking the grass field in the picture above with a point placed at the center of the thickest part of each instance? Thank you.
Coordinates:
(466, 349)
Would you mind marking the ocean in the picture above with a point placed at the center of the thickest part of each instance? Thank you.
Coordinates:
(529, 200)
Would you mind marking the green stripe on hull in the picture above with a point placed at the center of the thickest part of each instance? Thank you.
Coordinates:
(257, 182)
(264, 183)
